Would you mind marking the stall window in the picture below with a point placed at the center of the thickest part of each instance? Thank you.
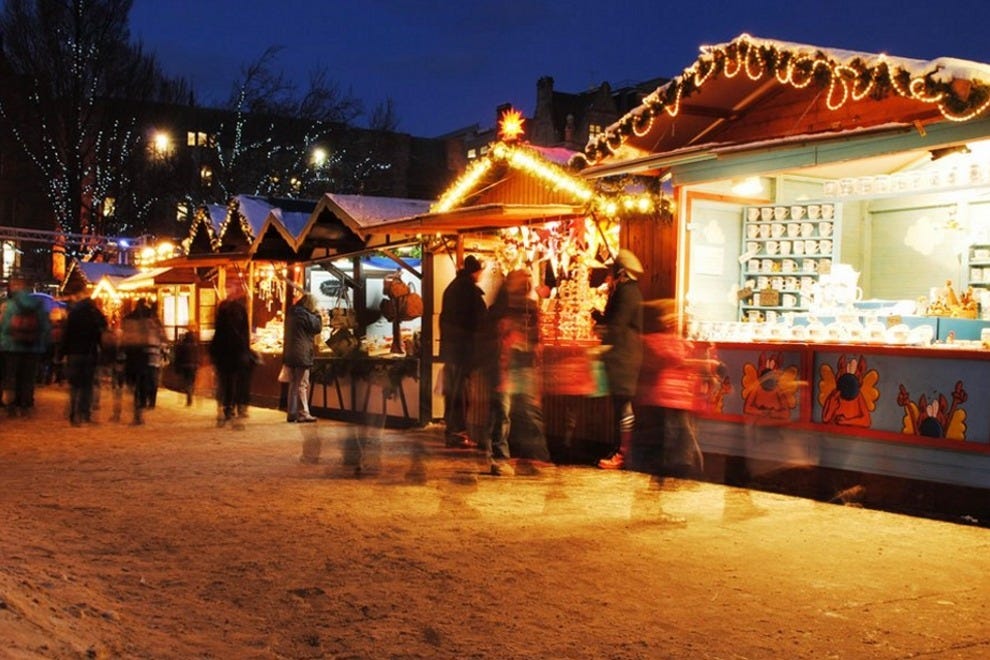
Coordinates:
(207, 313)
(176, 309)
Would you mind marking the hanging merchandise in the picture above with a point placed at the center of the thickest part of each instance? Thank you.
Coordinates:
(342, 314)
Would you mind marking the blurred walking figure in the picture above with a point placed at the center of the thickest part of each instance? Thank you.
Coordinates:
(230, 352)
(462, 315)
(515, 378)
(668, 397)
(141, 340)
(24, 337)
(186, 361)
(302, 327)
(623, 321)
(82, 339)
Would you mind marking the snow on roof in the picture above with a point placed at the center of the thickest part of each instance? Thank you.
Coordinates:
(371, 211)
(254, 210)
(93, 271)
(217, 214)
(557, 155)
(942, 69)
(295, 222)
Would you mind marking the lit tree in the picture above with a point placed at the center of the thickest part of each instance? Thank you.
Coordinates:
(76, 69)
(279, 142)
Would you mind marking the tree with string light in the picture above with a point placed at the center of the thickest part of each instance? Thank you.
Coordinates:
(75, 75)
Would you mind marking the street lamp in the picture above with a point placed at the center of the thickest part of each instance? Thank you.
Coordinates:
(161, 144)
(319, 157)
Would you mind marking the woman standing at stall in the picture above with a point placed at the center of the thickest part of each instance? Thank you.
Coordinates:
(623, 358)
(302, 326)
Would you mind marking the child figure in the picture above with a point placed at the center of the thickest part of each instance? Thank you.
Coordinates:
(187, 361)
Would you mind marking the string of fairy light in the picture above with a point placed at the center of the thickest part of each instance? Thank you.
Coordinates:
(843, 82)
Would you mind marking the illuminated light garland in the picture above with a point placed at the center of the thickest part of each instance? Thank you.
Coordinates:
(844, 82)
(456, 194)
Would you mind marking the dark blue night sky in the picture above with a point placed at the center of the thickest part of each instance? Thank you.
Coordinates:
(448, 64)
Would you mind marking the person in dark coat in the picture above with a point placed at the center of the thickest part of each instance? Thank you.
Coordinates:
(84, 328)
(141, 342)
(623, 320)
(462, 315)
(230, 352)
(302, 326)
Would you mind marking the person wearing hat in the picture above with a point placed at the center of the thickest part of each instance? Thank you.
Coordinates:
(462, 315)
(623, 320)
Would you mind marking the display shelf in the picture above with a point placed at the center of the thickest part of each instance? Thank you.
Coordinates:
(978, 265)
(784, 249)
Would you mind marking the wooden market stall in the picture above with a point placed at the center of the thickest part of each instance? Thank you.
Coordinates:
(520, 207)
(832, 237)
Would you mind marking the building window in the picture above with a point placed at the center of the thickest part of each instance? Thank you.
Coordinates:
(472, 154)
(198, 139)
(182, 212)
(206, 175)
(109, 207)
(595, 130)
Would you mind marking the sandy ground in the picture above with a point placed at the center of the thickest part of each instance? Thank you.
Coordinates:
(178, 539)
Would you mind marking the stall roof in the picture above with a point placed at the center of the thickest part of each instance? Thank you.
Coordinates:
(752, 89)
(91, 272)
(157, 276)
(340, 221)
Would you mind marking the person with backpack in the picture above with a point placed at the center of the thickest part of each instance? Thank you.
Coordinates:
(24, 331)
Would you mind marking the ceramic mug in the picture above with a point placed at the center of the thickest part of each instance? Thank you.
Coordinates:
(791, 283)
(777, 229)
(789, 300)
(780, 212)
(777, 282)
(828, 211)
(764, 231)
(825, 229)
(752, 247)
(785, 248)
(772, 247)
(811, 246)
(825, 246)
(766, 213)
(793, 229)
(814, 212)
(767, 265)
(797, 247)
(788, 266)
(809, 266)
(753, 214)
(763, 282)
(752, 231)
(807, 229)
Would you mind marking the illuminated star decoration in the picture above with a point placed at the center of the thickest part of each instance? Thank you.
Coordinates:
(510, 126)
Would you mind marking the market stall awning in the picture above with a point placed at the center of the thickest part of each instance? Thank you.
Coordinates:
(480, 218)
(750, 90)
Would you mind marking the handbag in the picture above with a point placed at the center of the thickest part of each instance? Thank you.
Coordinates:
(394, 287)
(410, 306)
(342, 314)
(342, 342)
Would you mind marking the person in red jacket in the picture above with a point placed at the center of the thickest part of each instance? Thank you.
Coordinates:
(668, 395)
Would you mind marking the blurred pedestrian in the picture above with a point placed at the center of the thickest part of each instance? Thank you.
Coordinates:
(141, 342)
(24, 338)
(515, 381)
(81, 342)
(302, 326)
(230, 352)
(186, 361)
(462, 315)
(669, 395)
(623, 320)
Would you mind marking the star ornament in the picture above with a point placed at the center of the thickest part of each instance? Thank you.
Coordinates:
(510, 126)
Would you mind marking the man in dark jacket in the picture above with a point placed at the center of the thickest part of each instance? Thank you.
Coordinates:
(81, 342)
(624, 357)
(301, 327)
(462, 314)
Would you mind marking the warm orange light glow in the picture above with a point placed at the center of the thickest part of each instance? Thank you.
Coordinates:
(510, 127)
